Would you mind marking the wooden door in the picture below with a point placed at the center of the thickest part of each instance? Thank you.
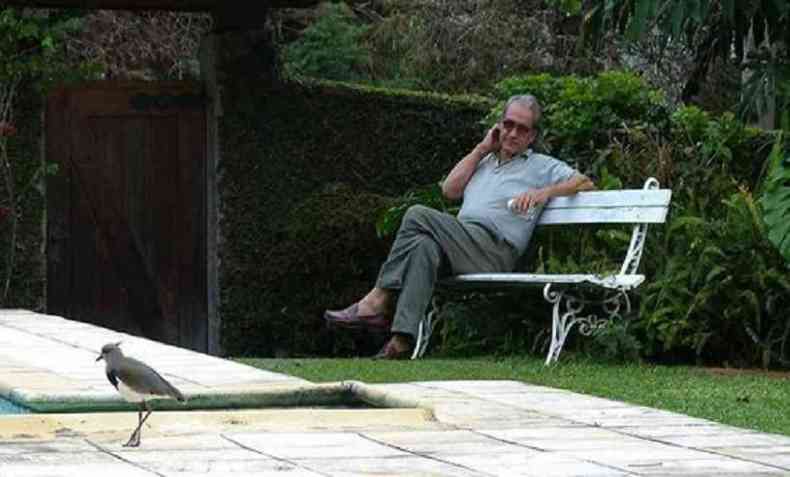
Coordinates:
(127, 208)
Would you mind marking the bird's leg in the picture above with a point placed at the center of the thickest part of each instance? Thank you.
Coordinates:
(139, 430)
(146, 416)
(134, 439)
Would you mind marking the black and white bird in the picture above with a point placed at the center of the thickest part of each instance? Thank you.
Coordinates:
(137, 382)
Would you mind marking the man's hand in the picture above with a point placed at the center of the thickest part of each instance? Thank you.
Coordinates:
(538, 197)
(491, 143)
(455, 182)
(532, 198)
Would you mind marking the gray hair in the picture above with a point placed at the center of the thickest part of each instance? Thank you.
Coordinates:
(528, 101)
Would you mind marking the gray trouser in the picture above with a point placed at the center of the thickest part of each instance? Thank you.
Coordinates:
(430, 244)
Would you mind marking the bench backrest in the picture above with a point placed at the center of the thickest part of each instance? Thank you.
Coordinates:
(638, 206)
(648, 206)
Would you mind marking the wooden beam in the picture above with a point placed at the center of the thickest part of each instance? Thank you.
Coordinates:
(171, 5)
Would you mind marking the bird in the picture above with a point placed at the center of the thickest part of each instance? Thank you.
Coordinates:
(136, 382)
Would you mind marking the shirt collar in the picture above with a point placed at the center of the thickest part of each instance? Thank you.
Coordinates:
(521, 156)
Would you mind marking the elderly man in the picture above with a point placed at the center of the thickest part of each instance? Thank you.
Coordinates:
(486, 236)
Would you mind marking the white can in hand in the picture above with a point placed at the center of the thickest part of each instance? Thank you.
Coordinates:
(530, 214)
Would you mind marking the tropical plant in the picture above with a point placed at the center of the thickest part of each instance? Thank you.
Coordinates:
(775, 198)
(754, 34)
(723, 290)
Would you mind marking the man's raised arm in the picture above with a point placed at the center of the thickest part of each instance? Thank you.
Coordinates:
(455, 183)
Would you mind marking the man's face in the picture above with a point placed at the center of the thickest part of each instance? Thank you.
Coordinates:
(516, 130)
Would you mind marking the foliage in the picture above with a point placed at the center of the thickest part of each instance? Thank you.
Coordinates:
(317, 262)
(329, 48)
(456, 46)
(465, 327)
(466, 45)
(725, 24)
(754, 33)
(617, 342)
(303, 184)
(570, 7)
(715, 278)
(430, 196)
(30, 60)
(140, 45)
(715, 143)
(469, 45)
(724, 288)
(765, 94)
(582, 115)
(775, 198)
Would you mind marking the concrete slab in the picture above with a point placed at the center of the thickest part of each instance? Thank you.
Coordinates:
(459, 428)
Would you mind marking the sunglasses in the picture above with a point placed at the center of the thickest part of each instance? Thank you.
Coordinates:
(521, 129)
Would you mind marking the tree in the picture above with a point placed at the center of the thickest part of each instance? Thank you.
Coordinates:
(753, 34)
(329, 48)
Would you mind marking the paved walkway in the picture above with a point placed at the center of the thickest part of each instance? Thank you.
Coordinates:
(443, 428)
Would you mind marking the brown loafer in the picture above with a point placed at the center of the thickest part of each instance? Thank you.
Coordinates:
(350, 318)
(390, 352)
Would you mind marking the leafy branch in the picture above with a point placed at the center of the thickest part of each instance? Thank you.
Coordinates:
(776, 198)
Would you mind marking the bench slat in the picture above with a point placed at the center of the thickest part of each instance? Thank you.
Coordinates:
(500, 280)
(600, 215)
(615, 198)
(621, 206)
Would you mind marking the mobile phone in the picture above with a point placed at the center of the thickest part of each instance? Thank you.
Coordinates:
(495, 135)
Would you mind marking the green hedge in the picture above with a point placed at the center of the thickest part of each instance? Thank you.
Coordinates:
(307, 169)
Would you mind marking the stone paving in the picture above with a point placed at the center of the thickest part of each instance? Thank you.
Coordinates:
(440, 428)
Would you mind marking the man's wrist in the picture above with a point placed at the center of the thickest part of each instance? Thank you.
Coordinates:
(480, 151)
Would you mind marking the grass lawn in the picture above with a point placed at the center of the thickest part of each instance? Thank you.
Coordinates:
(751, 400)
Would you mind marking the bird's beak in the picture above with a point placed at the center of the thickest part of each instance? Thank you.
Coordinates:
(99, 358)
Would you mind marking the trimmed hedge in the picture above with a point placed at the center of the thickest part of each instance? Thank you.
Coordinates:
(307, 169)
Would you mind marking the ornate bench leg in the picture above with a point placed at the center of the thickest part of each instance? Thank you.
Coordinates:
(561, 323)
(425, 330)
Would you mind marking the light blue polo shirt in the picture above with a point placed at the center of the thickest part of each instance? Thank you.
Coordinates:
(492, 185)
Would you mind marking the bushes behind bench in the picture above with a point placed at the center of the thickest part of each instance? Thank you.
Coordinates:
(717, 290)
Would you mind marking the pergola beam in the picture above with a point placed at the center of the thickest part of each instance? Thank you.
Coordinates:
(170, 5)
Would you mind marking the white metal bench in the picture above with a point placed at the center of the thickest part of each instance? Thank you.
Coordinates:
(641, 207)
